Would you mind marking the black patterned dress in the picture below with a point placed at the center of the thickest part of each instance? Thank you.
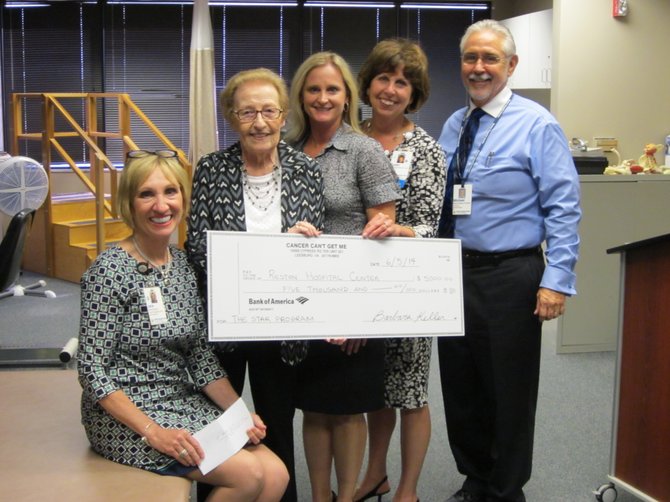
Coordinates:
(407, 361)
(160, 368)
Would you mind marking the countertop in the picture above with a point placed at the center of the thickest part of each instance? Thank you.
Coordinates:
(622, 178)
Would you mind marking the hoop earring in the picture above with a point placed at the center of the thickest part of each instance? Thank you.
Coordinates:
(346, 107)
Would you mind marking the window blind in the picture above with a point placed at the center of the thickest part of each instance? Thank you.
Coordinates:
(142, 48)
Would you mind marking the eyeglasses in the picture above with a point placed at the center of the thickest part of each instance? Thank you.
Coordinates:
(249, 114)
(487, 59)
(138, 154)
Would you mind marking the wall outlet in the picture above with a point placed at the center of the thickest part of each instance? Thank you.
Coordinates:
(607, 143)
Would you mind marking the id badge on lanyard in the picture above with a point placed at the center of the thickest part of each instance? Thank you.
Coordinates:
(462, 196)
(462, 199)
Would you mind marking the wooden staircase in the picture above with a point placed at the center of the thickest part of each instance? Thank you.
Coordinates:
(74, 228)
(70, 230)
(74, 237)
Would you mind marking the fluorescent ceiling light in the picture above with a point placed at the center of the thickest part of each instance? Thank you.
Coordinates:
(446, 6)
(16, 5)
(229, 3)
(254, 4)
(379, 5)
(27, 3)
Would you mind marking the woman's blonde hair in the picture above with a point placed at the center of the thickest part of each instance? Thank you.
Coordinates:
(227, 99)
(298, 124)
(388, 56)
(137, 170)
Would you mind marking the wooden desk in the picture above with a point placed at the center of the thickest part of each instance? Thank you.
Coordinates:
(47, 457)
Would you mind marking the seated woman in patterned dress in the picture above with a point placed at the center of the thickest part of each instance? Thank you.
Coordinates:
(149, 378)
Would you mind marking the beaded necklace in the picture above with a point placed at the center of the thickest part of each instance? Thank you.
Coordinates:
(258, 192)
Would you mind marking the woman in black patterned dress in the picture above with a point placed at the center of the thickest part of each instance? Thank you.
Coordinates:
(394, 81)
(148, 376)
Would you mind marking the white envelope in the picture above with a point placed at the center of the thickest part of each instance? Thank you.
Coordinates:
(224, 437)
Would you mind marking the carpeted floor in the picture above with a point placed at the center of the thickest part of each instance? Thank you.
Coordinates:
(38, 322)
(572, 441)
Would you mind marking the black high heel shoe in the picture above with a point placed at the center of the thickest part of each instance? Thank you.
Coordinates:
(373, 493)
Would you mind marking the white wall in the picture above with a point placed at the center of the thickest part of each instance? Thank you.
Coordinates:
(611, 76)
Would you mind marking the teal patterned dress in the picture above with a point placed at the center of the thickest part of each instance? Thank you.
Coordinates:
(160, 368)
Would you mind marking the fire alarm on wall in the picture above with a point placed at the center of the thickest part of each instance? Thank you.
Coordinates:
(619, 8)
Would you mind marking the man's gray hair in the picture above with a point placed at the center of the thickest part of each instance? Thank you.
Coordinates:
(508, 45)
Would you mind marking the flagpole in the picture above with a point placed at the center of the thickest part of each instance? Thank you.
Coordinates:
(203, 133)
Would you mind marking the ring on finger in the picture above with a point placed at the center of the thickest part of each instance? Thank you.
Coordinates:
(183, 453)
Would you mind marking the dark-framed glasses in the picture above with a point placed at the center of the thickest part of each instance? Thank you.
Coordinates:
(138, 154)
(249, 114)
(487, 59)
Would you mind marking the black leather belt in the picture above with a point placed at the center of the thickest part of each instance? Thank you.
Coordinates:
(473, 258)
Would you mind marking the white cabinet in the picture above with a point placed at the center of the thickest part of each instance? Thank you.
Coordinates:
(532, 34)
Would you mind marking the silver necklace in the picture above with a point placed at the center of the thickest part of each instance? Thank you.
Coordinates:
(261, 194)
(405, 135)
(164, 270)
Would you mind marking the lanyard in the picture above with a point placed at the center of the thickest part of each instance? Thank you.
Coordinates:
(463, 173)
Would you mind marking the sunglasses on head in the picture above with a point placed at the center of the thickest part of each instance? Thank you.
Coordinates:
(138, 154)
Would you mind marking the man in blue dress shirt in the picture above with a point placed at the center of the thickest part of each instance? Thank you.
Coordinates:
(516, 189)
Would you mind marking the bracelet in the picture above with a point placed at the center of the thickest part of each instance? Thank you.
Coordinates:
(146, 428)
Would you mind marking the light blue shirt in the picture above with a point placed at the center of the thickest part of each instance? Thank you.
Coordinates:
(525, 186)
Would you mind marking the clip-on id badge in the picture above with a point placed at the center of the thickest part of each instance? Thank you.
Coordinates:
(155, 306)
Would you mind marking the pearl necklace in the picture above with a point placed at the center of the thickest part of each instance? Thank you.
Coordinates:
(258, 192)
(164, 269)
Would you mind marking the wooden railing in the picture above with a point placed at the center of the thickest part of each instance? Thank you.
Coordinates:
(52, 104)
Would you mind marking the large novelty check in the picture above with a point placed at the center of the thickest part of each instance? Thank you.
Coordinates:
(286, 286)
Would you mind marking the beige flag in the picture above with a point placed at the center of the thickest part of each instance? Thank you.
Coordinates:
(204, 137)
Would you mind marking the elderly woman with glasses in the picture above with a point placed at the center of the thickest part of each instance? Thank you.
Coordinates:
(259, 184)
(148, 376)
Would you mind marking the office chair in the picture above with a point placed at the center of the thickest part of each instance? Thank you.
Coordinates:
(11, 252)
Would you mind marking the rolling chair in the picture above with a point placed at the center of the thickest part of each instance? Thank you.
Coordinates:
(11, 252)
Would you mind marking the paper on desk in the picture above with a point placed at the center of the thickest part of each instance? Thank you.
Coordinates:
(224, 437)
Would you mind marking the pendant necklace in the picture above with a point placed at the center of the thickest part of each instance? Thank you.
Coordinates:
(405, 135)
(143, 267)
